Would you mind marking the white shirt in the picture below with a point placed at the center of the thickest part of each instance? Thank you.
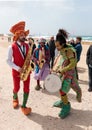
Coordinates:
(10, 57)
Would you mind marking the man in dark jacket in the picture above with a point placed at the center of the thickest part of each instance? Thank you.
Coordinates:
(78, 48)
(89, 63)
(52, 51)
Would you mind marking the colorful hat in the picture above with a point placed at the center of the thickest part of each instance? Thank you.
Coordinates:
(17, 29)
(42, 40)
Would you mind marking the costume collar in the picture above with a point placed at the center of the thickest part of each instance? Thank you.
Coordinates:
(19, 43)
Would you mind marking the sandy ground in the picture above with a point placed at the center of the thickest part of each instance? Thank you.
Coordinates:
(43, 116)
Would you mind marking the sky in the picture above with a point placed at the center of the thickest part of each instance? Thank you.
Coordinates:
(46, 17)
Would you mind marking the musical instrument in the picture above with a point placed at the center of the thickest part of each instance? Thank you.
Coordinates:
(41, 58)
(28, 65)
(52, 83)
(41, 63)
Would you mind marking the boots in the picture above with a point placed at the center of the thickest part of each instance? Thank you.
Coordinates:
(15, 101)
(65, 110)
(65, 107)
(58, 104)
(37, 87)
(24, 109)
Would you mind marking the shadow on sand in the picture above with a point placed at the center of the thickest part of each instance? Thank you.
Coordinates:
(77, 120)
(48, 93)
(81, 70)
(83, 82)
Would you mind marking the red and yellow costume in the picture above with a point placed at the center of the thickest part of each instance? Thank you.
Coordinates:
(18, 60)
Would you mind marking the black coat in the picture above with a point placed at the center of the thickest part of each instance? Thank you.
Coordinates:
(52, 48)
(89, 56)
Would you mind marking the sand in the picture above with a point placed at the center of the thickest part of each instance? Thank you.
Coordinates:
(43, 116)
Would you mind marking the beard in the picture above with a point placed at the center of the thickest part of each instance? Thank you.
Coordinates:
(22, 39)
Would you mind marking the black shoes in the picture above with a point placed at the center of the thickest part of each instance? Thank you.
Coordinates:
(38, 87)
(90, 89)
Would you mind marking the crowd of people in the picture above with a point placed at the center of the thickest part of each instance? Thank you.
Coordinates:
(43, 56)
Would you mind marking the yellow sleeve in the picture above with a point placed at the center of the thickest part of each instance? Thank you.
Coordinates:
(71, 65)
(72, 61)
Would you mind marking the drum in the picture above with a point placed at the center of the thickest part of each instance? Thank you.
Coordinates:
(52, 83)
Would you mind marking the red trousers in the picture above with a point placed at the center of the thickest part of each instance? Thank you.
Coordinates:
(26, 84)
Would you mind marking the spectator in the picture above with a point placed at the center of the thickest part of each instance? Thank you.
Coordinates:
(52, 51)
(78, 48)
(89, 63)
(30, 42)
